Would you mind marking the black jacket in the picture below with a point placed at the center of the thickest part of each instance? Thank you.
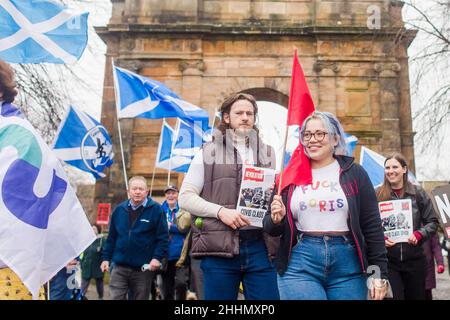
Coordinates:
(364, 220)
(424, 221)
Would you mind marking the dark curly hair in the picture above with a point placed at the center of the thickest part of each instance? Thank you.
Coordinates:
(7, 82)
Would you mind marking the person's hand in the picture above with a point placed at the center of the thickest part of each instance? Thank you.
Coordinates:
(378, 289)
(277, 210)
(413, 240)
(154, 265)
(104, 266)
(71, 265)
(389, 243)
(232, 218)
(440, 268)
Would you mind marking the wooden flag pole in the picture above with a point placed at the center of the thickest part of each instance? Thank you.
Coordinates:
(122, 153)
(118, 126)
(171, 150)
(282, 159)
(153, 179)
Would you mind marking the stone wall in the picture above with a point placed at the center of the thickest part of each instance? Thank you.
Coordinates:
(206, 50)
(85, 194)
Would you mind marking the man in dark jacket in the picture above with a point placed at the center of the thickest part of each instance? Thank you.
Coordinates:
(138, 235)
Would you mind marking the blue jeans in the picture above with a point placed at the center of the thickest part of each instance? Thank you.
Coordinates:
(323, 268)
(222, 276)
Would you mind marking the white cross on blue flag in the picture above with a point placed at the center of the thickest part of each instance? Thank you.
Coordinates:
(83, 143)
(140, 97)
(176, 155)
(189, 138)
(164, 159)
(37, 31)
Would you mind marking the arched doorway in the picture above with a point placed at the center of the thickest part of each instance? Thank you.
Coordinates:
(272, 115)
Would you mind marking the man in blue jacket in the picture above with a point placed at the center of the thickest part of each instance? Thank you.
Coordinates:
(138, 235)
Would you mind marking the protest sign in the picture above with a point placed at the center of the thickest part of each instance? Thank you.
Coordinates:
(254, 196)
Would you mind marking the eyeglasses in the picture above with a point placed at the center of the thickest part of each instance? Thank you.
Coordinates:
(318, 135)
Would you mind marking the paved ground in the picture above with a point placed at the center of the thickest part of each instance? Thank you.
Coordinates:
(442, 291)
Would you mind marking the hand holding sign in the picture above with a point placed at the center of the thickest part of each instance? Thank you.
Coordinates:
(232, 218)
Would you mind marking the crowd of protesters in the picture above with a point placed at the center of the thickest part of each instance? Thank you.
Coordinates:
(317, 241)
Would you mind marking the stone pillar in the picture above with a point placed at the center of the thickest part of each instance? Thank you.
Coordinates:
(192, 73)
(390, 106)
(327, 73)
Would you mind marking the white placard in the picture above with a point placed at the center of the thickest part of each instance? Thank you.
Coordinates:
(256, 189)
(396, 217)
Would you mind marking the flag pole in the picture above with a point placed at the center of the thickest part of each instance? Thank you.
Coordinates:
(300, 107)
(121, 151)
(153, 179)
(287, 129)
(282, 159)
(214, 121)
(171, 150)
(118, 126)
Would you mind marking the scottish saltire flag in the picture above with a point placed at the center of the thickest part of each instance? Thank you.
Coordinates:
(188, 139)
(36, 31)
(42, 224)
(83, 142)
(164, 159)
(351, 142)
(177, 161)
(140, 97)
(373, 163)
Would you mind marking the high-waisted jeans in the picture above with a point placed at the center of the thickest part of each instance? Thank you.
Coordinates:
(323, 268)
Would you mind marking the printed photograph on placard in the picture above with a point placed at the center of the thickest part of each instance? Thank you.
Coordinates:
(254, 196)
(396, 217)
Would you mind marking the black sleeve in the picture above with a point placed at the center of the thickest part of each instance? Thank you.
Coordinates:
(427, 214)
(162, 235)
(370, 222)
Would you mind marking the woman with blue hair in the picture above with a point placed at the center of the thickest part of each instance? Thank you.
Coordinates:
(331, 233)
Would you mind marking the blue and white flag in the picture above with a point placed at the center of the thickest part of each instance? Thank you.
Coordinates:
(37, 31)
(84, 143)
(373, 163)
(140, 97)
(164, 159)
(175, 155)
(42, 223)
(351, 142)
(292, 142)
(189, 138)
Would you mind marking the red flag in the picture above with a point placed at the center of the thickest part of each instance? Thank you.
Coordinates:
(301, 105)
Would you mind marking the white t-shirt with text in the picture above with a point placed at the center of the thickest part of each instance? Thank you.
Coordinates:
(321, 206)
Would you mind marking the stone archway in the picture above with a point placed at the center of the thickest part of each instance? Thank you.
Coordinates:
(268, 94)
(205, 49)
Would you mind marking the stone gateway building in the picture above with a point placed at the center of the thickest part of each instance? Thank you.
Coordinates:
(353, 53)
